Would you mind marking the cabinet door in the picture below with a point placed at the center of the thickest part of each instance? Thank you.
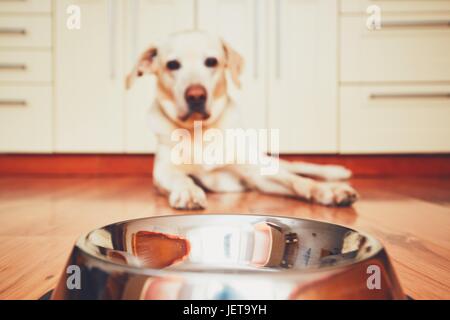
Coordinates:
(409, 48)
(241, 23)
(25, 118)
(303, 74)
(89, 78)
(28, 6)
(148, 21)
(395, 118)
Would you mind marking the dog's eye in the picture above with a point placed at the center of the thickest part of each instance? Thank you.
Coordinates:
(173, 65)
(211, 62)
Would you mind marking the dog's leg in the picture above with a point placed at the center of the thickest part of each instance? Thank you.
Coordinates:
(324, 172)
(289, 184)
(182, 191)
(221, 181)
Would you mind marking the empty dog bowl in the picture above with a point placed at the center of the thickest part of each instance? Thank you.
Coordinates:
(227, 257)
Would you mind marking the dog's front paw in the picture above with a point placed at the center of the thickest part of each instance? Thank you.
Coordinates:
(188, 198)
(334, 194)
(335, 173)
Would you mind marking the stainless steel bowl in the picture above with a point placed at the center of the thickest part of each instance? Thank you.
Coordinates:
(227, 257)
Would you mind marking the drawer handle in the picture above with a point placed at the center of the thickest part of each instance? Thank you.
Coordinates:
(416, 24)
(13, 31)
(442, 95)
(13, 103)
(13, 67)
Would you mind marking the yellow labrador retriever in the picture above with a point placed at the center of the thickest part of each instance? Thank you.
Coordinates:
(191, 71)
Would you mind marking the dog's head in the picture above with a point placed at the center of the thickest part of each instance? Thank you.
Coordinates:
(191, 74)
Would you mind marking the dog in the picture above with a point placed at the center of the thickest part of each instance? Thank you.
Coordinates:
(193, 71)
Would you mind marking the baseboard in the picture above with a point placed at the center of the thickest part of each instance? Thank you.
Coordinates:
(76, 164)
(128, 165)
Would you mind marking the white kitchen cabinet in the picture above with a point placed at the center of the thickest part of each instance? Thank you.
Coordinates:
(303, 74)
(26, 31)
(89, 78)
(395, 119)
(25, 66)
(242, 24)
(26, 118)
(289, 81)
(394, 93)
(312, 70)
(26, 93)
(407, 48)
(147, 22)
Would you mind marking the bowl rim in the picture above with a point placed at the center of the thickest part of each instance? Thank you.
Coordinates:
(111, 266)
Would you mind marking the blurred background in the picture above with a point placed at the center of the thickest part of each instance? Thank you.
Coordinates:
(314, 70)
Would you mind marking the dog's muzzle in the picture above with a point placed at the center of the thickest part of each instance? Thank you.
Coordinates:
(196, 97)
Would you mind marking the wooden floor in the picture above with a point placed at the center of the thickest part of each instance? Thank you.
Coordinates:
(40, 218)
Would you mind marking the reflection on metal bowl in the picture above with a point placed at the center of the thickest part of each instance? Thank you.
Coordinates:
(227, 257)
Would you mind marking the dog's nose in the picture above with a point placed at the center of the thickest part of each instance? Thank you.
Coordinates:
(196, 96)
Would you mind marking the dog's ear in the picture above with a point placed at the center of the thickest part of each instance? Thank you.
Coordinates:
(145, 64)
(234, 62)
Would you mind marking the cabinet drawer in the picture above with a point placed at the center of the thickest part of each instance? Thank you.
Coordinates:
(25, 119)
(25, 31)
(409, 48)
(18, 6)
(395, 119)
(25, 66)
(360, 6)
